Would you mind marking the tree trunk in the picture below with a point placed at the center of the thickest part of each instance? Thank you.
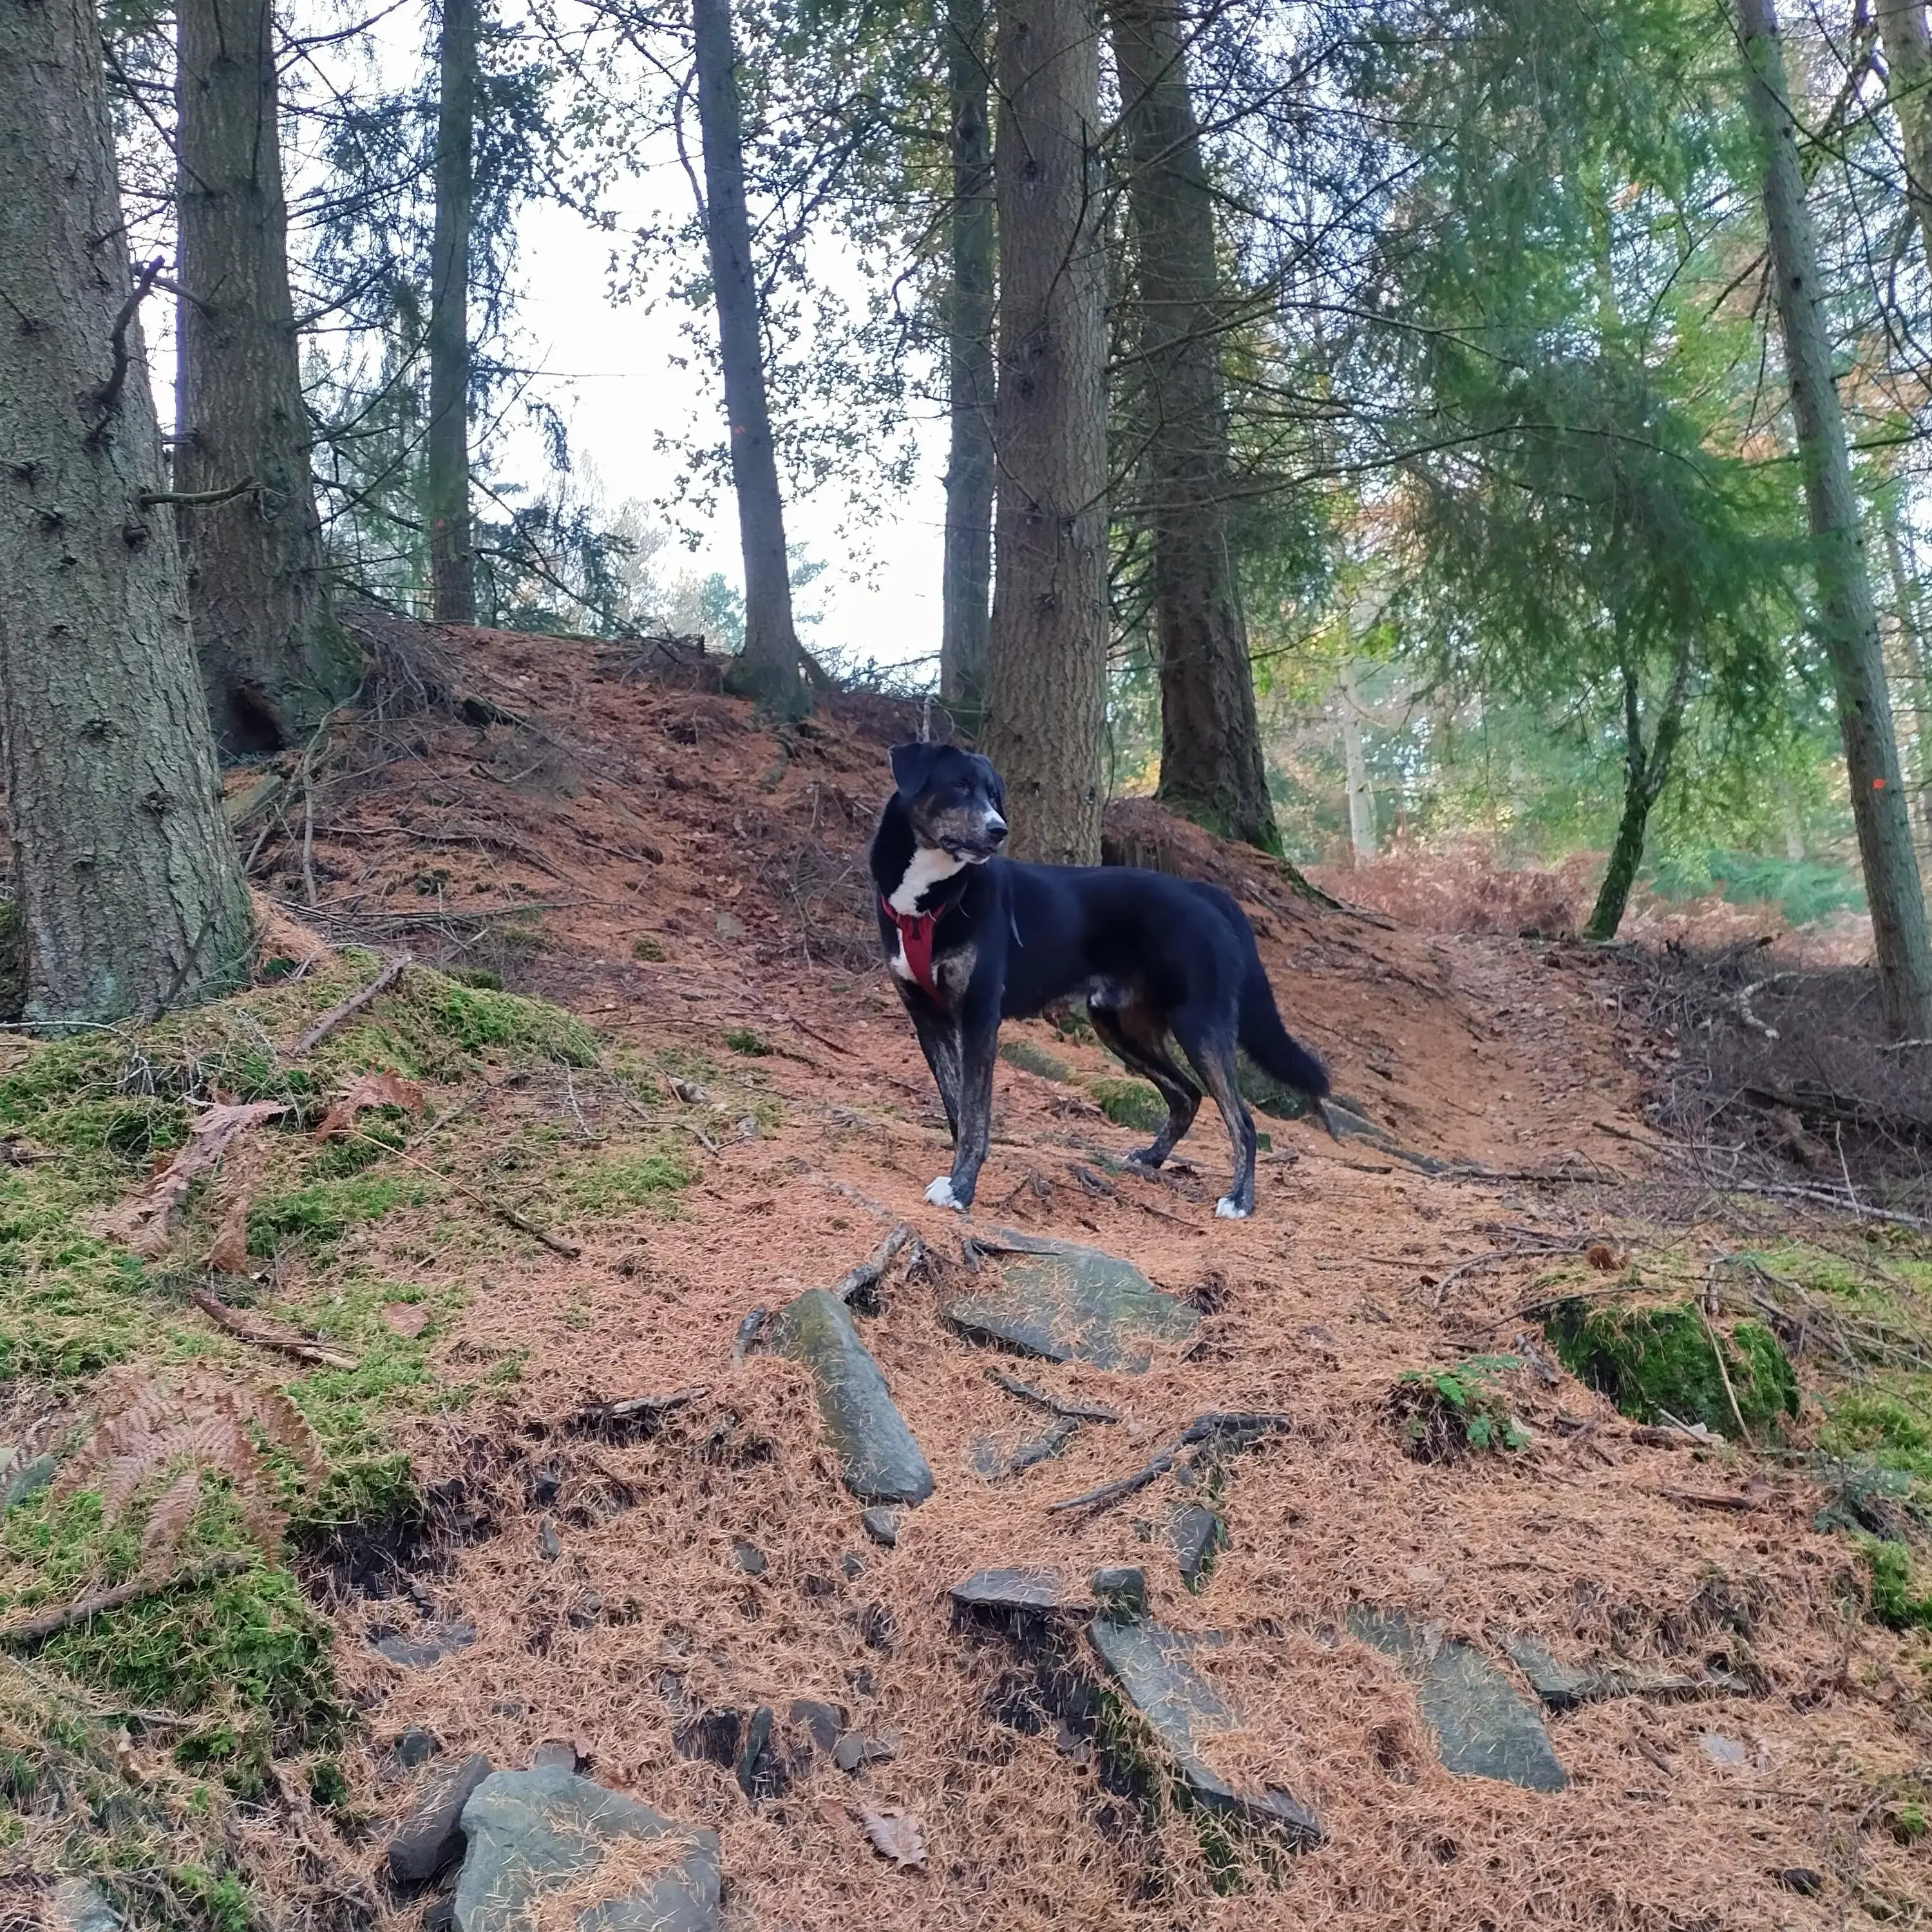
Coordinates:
(1849, 617)
(273, 659)
(1047, 725)
(1917, 685)
(1904, 35)
(967, 577)
(1211, 768)
(1361, 793)
(130, 896)
(452, 559)
(769, 670)
(1645, 774)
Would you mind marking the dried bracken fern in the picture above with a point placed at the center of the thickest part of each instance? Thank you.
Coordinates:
(185, 1430)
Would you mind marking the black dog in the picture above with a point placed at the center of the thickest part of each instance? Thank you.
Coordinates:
(973, 939)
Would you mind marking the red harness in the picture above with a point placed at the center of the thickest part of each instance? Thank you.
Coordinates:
(916, 940)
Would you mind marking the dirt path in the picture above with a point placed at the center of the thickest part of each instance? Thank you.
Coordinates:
(612, 1596)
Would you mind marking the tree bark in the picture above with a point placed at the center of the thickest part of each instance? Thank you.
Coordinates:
(1645, 773)
(1211, 768)
(1906, 40)
(1918, 683)
(452, 559)
(1849, 617)
(968, 575)
(1047, 722)
(768, 670)
(1361, 793)
(273, 659)
(131, 895)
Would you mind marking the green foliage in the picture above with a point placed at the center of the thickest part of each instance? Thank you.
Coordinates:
(1871, 1422)
(1129, 1103)
(1441, 1413)
(1654, 1363)
(1804, 891)
(742, 1039)
(647, 948)
(1020, 1052)
(1898, 1600)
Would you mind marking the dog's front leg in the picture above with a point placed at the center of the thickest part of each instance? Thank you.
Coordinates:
(978, 1043)
(939, 1041)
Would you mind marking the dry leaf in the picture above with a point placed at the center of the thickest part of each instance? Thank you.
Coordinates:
(831, 1812)
(896, 1836)
(369, 1089)
(405, 1319)
(144, 1223)
(229, 1254)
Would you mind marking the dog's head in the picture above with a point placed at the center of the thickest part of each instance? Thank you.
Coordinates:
(953, 798)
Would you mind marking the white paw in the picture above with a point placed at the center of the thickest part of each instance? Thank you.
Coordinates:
(1227, 1208)
(940, 1194)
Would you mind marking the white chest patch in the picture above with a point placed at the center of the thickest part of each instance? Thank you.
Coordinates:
(928, 868)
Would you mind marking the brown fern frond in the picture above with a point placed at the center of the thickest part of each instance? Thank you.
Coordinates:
(286, 1426)
(168, 1520)
(187, 1429)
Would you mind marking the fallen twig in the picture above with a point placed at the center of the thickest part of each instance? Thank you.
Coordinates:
(1707, 1499)
(237, 1324)
(644, 1410)
(569, 1250)
(1825, 1197)
(356, 1002)
(44, 1624)
(867, 1275)
(1723, 1372)
(1204, 1429)
(1074, 1412)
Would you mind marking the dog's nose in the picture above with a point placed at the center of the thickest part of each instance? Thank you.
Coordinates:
(996, 828)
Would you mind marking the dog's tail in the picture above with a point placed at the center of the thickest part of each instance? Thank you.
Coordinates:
(1269, 1044)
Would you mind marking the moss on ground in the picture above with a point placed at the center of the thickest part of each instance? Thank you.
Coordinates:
(1900, 1598)
(1659, 1362)
(1129, 1103)
(1022, 1053)
(321, 1213)
(644, 1178)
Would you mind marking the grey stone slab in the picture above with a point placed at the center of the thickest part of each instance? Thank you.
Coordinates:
(29, 1479)
(78, 1905)
(1560, 1687)
(1122, 1591)
(1484, 1726)
(881, 1526)
(1198, 1534)
(430, 1645)
(1153, 1667)
(1024, 1590)
(1064, 1303)
(431, 1836)
(878, 1459)
(531, 1829)
(989, 1458)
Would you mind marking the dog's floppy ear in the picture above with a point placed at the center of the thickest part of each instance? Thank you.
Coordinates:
(912, 765)
(996, 786)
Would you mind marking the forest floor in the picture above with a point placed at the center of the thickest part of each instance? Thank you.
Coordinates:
(745, 1118)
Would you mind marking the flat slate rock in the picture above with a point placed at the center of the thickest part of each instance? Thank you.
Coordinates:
(28, 1479)
(1484, 1726)
(1560, 1687)
(1151, 1664)
(532, 1830)
(1198, 1536)
(990, 1460)
(431, 1836)
(430, 1645)
(878, 1459)
(78, 1905)
(1027, 1590)
(1063, 1303)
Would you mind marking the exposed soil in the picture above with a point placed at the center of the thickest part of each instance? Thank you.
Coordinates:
(644, 810)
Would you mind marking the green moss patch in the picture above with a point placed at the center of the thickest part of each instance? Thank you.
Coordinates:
(647, 1177)
(1655, 1363)
(1900, 1598)
(1129, 1103)
(1031, 1059)
(323, 1212)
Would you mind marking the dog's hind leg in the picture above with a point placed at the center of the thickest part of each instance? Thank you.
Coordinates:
(1138, 1041)
(1213, 1053)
